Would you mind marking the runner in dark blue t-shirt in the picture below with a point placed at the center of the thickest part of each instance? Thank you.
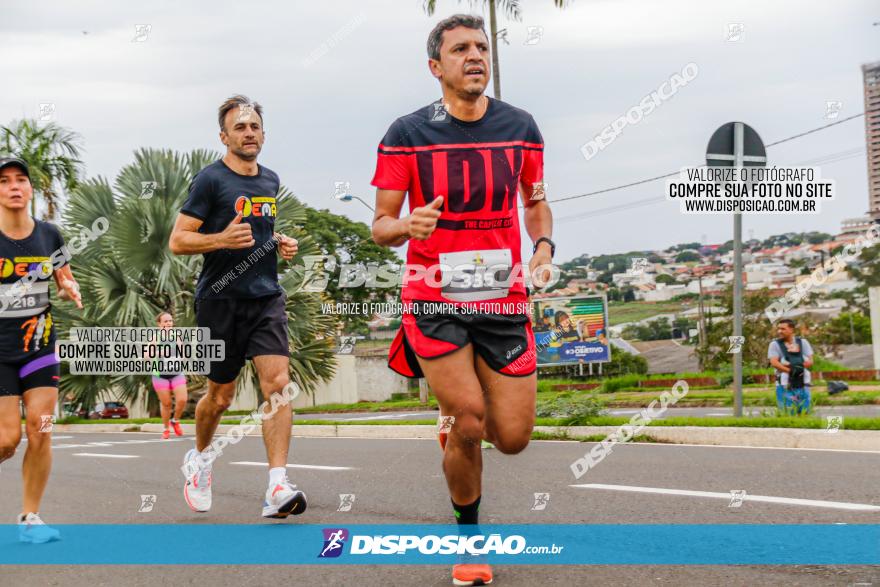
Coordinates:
(31, 252)
(229, 217)
(216, 197)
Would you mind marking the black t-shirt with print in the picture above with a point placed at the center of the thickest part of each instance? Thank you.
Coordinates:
(26, 267)
(215, 196)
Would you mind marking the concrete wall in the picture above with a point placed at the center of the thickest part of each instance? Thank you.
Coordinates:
(138, 408)
(375, 381)
(342, 389)
(356, 379)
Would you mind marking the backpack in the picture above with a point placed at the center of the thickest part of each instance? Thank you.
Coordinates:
(795, 363)
(835, 387)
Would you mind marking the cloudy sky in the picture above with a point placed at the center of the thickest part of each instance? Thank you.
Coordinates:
(333, 75)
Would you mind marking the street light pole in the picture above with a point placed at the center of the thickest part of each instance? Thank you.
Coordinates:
(349, 197)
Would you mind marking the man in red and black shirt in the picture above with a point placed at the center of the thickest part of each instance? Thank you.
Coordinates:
(463, 160)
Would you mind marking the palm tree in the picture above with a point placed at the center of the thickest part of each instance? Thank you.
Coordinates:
(128, 275)
(52, 154)
(511, 8)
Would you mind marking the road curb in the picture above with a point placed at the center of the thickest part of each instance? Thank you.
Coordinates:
(863, 440)
(866, 440)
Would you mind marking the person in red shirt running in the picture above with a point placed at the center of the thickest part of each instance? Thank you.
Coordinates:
(462, 161)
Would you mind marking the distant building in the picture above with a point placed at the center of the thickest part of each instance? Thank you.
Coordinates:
(705, 270)
(664, 293)
(840, 281)
(800, 253)
(871, 73)
(628, 278)
(854, 227)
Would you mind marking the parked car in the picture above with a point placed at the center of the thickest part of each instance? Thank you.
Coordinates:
(108, 411)
(78, 411)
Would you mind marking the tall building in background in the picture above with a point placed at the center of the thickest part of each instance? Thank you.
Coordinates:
(871, 73)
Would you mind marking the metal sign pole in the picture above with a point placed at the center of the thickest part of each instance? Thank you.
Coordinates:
(737, 145)
(737, 279)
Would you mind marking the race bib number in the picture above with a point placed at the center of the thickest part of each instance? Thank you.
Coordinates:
(19, 301)
(475, 276)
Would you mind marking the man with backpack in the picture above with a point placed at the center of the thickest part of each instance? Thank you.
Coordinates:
(792, 358)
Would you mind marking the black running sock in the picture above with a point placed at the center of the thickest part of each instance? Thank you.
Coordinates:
(467, 515)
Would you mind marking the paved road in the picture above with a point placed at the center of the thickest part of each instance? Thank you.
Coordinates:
(399, 481)
(855, 356)
(668, 356)
(854, 411)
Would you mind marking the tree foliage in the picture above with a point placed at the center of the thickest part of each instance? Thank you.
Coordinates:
(52, 153)
(128, 274)
(757, 330)
(350, 243)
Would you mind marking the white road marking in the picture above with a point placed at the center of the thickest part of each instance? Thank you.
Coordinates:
(53, 438)
(838, 505)
(295, 466)
(653, 444)
(102, 455)
(115, 442)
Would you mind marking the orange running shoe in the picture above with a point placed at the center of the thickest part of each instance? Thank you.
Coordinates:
(178, 431)
(166, 434)
(471, 574)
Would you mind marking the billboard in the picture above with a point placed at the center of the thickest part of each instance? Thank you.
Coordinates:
(573, 330)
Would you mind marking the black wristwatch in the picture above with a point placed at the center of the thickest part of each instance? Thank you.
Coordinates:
(544, 239)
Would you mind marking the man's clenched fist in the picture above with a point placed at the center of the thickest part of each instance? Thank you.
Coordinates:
(422, 222)
(287, 246)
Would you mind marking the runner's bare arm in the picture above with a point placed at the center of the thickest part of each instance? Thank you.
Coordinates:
(537, 216)
(68, 288)
(390, 230)
(187, 240)
(539, 222)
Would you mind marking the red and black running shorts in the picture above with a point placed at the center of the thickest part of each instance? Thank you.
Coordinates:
(504, 341)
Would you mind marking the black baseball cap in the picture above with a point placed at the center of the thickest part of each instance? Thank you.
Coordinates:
(14, 161)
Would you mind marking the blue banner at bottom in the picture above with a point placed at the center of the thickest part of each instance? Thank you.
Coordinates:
(562, 544)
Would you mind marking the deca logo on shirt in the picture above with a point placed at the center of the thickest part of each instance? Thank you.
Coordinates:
(21, 266)
(258, 206)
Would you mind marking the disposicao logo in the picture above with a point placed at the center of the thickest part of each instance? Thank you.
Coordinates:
(334, 541)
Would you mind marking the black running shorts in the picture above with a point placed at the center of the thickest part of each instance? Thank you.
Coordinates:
(38, 370)
(248, 327)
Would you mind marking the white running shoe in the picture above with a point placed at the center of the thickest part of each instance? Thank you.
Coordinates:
(197, 489)
(32, 529)
(282, 500)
